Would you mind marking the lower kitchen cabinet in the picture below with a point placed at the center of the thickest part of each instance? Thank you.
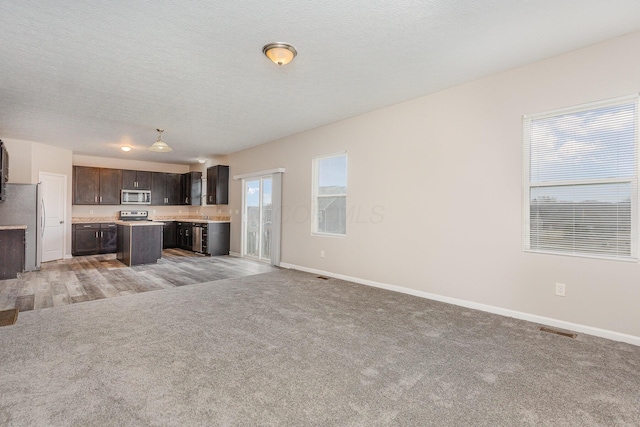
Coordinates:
(215, 237)
(218, 238)
(97, 238)
(169, 235)
(184, 235)
(11, 253)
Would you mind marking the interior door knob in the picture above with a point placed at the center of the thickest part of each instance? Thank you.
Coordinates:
(61, 222)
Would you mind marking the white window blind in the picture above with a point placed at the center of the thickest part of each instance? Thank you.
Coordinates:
(581, 180)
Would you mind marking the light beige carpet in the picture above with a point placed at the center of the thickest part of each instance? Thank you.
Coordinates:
(288, 349)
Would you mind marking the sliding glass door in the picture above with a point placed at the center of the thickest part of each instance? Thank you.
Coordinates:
(257, 218)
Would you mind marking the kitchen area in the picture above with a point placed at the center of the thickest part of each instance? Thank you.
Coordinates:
(138, 235)
(132, 213)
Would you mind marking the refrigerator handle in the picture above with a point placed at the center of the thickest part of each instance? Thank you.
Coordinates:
(43, 219)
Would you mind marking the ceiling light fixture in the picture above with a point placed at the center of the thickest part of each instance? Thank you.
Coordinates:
(279, 53)
(159, 146)
(125, 148)
(201, 161)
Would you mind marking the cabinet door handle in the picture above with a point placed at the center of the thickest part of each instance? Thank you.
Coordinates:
(101, 234)
(96, 234)
(95, 199)
(100, 199)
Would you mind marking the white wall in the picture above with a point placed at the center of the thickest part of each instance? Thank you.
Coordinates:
(19, 160)
(435, 193)
(27, 159)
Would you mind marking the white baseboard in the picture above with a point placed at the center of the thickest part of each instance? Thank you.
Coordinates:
(236, 254)
(603, 333)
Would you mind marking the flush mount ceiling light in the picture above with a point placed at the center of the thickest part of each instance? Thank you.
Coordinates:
(279, 53)
(125, 148)
(201, 161)
(159, 146)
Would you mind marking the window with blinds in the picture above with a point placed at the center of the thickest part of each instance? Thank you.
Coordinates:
(581, 180)
(330, 195)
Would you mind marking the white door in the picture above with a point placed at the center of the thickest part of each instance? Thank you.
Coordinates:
(257, 226)
(53, 194)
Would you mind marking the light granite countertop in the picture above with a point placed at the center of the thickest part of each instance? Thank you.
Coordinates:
(102, 219)
(12, 227)
(140, 223)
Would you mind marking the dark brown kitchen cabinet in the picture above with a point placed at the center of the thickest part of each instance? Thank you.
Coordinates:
(165, 189)
(169, 235)
(218, 185)
(136, 180)
(91, 239)
(12, 251)
(110, 186)
(174, 194)
(191, 188)
(218, 238)
(184, 238)
(159, 188)
(96, 186)
(108, 240)
(86, 185)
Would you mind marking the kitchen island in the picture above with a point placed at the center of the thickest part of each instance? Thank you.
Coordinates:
(139, 242)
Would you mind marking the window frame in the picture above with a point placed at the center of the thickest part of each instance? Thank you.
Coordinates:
(528, 185)
(315, 193)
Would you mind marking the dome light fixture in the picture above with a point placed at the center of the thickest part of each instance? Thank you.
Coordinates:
(159, 146)
(125, 148)
(279, 53)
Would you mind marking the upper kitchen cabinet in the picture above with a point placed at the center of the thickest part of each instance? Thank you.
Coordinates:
(165, 189)
(110, 186)
(191, 188)
(159, 188)
(174, 191)
(96, 186)
(218, 185)
(136, 180)
(86, 185)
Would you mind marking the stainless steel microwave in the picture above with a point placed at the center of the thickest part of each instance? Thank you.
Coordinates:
(135, 197)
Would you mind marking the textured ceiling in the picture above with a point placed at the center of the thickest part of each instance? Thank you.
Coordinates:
(92, 75)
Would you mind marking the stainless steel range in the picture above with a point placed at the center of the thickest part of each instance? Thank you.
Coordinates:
(134, 216)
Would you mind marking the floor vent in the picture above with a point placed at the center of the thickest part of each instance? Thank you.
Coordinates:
(322, 277)
(557, 332)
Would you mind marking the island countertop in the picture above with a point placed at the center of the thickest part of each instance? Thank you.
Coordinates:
(139, 223)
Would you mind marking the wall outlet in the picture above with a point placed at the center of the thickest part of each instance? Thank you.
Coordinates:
(179, 210)
(560, 289)
(90, 211)
(322, 253)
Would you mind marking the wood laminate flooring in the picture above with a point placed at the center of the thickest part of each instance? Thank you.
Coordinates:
(88, 278)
